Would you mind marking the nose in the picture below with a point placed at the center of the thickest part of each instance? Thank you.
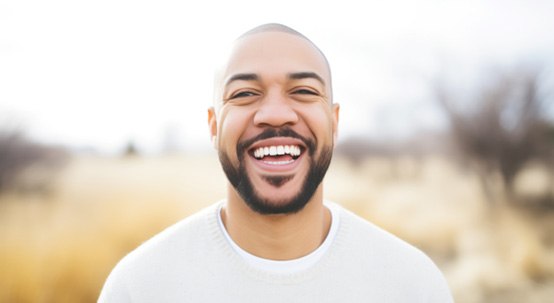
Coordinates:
(275, 110)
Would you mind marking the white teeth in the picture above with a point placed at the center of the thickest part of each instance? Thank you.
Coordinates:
(279, 150)
(279, 162)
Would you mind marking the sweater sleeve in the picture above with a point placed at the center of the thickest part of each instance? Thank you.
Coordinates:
(442, 293)
(439, 290)
(115, 288)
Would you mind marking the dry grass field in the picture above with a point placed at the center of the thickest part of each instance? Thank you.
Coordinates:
(61, 246)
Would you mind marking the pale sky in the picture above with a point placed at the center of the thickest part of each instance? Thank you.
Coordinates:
(101, 73)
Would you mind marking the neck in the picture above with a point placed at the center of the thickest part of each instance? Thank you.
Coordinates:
(277, 237)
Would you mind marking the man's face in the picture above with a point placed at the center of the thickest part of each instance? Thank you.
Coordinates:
(275, 126)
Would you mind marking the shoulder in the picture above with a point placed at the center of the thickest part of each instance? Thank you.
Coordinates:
(384, 259)
(165, 257)
(358, 231)
(178, 237)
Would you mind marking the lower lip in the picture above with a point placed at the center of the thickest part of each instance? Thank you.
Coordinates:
(277, 166)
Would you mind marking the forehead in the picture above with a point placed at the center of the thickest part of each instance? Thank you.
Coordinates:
(275, 53)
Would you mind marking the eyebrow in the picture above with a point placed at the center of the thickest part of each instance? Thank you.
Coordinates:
(306, 75)
(292, 76)
(243, 77)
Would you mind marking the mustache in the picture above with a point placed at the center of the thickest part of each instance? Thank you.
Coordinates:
(273, 133)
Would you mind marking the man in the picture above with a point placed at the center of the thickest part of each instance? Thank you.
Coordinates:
(274, 238)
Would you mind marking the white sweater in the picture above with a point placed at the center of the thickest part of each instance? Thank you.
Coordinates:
(192, 261)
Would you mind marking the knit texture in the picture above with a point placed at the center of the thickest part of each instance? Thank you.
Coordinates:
(192, 261)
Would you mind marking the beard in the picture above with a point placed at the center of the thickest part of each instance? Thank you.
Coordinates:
(239, 179)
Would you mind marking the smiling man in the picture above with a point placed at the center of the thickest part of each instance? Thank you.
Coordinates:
(274, 238)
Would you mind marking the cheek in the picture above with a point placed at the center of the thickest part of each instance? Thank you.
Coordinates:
(320, 121)
(232, 124)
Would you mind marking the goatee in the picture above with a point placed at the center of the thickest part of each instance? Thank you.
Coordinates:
(239, 179)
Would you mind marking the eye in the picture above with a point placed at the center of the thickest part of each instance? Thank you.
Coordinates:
(305, 91)
(243, 94)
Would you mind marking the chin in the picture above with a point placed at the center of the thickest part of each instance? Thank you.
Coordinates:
(260, 193)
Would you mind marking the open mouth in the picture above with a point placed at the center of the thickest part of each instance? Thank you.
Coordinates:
(277, 154)
(276, 150)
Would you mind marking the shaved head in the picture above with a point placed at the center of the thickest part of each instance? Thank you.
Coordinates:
(261, 29)
(277, 27)
(273, 27)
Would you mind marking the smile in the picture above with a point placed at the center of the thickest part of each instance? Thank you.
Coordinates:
(276, 154)
(280, 150)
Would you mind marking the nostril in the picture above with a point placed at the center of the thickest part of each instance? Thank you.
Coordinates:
(275, 116)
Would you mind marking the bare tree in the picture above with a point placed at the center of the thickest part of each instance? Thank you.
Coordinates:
(503, 129)
(18, 155)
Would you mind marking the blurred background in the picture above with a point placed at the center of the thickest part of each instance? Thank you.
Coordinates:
(446, 132)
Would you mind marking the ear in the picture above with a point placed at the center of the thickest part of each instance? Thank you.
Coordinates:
(212, 124)
(335, 109)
